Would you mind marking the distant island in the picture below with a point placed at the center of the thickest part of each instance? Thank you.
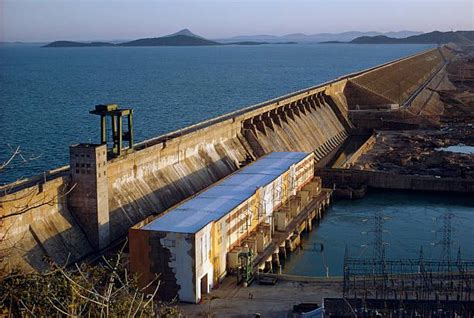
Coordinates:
(316, 37)
(435, 37)
(181, 38)
(186, 38)
(77, 44)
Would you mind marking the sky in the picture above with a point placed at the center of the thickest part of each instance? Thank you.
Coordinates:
(49, 20)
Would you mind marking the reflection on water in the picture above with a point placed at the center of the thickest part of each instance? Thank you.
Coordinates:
(410, 221)
(459, 148)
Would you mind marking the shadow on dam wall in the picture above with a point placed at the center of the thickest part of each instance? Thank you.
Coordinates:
(44, 229)
(169, 193)
(63, 245)
(305, 125)
(166, 170)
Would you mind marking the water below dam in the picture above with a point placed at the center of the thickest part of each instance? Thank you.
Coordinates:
(45, 94)
(410, 220)
(460, 148)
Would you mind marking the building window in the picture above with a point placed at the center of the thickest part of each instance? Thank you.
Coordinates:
(88, 165)
(77, 171)
(205, 248)
(202, 251)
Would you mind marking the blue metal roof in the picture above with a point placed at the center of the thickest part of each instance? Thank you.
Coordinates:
(223, 197)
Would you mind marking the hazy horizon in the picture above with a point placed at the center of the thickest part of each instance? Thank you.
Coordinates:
(49, 20)
(225, 37)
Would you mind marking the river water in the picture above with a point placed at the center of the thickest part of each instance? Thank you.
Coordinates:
(411, 220)
(45, 94)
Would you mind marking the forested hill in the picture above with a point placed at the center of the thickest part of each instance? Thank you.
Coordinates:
(181, 38)
(435, 37)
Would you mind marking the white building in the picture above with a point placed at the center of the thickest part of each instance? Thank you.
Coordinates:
(189, 245)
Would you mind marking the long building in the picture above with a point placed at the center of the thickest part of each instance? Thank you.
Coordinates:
(193, 245)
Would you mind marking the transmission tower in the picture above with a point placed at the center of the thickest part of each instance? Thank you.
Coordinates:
(459, 258)
(446, 241)
(378, 244)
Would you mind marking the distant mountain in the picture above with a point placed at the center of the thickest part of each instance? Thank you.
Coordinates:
(401, 34)
(258, 38)
(171, 40)
(182, 38)
(77, 44)
(435, 37)
(315, 38)
(186, 32)
(187, 38)
(256, 43)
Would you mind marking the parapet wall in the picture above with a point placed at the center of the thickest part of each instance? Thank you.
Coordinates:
(163, 171)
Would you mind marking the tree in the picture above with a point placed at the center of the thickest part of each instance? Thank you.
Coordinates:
(14, 203)
(105, 289)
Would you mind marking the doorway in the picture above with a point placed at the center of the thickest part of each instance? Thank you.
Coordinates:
(204, 285)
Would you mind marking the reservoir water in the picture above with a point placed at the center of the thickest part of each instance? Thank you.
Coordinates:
(45, 94)
(410, 220)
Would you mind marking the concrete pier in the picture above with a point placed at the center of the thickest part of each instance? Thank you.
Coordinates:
(320, 202)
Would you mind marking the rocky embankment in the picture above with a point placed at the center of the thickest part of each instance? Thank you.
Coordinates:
(422, 152)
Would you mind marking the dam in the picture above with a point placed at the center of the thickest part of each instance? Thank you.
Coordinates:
(78, 211)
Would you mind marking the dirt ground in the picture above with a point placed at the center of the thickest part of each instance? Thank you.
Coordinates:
(230, 300)
(419, 152)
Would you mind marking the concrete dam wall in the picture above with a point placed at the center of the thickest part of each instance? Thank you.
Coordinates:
(394, 83)
(402, 95)
(37, 226)
(64, 215)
